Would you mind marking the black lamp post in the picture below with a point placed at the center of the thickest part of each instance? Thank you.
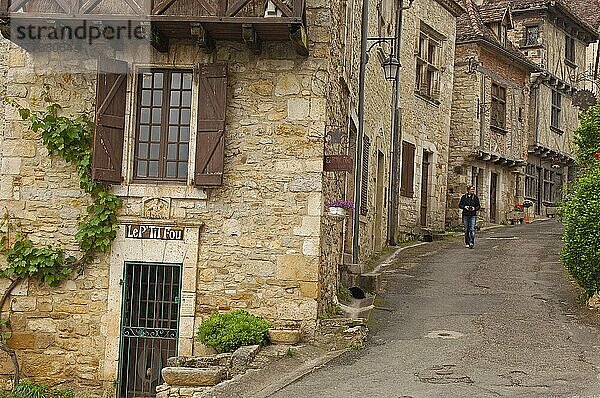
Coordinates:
(391, 66)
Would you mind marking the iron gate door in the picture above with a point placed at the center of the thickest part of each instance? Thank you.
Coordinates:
(149, 326)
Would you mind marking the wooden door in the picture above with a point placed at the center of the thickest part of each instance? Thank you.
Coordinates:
(424, 187)
(493, 197)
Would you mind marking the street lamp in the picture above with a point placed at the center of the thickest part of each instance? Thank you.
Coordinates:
(390, 65)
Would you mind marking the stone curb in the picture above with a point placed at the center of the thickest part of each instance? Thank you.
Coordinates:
(298, 373)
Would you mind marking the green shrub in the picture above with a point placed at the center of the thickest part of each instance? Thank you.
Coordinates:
(581, 217)
(587, 137)
(29, 389)
(229, 331)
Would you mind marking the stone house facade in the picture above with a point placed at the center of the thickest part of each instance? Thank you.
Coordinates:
(214, 135)
(425, 98)
(554, 37)
(490, 113)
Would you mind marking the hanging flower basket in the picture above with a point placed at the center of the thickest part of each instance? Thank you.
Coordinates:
(339, 207)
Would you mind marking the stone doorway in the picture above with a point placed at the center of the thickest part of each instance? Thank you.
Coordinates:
(149, 326)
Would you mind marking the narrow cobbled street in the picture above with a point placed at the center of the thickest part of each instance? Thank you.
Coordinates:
(501, 320)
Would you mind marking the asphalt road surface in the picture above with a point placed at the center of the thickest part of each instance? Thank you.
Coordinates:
(500, 320)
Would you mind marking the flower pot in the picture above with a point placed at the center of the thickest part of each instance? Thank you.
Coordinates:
(337, 211)
(527, 219)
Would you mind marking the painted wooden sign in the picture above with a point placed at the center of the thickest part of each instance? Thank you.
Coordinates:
(338, 163)
(134, 231)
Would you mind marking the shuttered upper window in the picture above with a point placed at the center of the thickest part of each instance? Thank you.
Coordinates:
(428, 52)
(498, 110)
(163, 125)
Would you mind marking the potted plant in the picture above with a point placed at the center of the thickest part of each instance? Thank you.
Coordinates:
(339, 207)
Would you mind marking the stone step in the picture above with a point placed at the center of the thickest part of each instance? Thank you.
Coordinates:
(194, 377)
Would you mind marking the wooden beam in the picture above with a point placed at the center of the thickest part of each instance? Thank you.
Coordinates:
(159, 41)
(89, 6)
(163, 6)
(16, 6)
(221, 8)
(299, 39)
(64, 5)
(285, 10)
(135, 7)
(236, 7)
(299, 8)
(202, 38)
(251, 38)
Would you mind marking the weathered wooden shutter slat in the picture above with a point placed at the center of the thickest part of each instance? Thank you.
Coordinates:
(364, 186)
(111, 93)
(210, 141)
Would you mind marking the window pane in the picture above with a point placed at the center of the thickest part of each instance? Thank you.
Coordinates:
(185, 116)
(155, 134)
(154, 151)
(143, 150)
(147, 80)
(184, 134)
(157, 98)
(172, 152)
(144, 133)
(174, 116)
(175, 98)
(182, 172)
(158, 80)
(173, 130)
(187, 81)
(172, 169)
(153, 169)
(186, 99)
(146, 94)
(175, 80)
(142, 168)
(145, 116)
(156, 115)
(183, 152)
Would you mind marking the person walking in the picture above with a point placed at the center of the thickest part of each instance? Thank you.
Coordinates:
(469, 203)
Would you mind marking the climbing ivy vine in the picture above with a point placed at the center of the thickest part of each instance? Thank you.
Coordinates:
(71, 139)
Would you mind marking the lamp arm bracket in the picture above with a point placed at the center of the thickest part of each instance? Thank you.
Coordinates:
(372, 41)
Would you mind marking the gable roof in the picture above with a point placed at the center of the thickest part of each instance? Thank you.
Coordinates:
(588, 10)
(471, 28)
(495, 12)
(571, 10)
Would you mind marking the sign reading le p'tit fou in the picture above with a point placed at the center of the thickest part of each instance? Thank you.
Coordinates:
(134, 231)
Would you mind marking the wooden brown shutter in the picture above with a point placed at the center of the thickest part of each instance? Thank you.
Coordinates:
(364, 186)
(111, 93)
(210, 141)
(408, 170)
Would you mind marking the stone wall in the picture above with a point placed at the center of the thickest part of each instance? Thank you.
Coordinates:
(425, 123)
(472, 133)
(255, 243)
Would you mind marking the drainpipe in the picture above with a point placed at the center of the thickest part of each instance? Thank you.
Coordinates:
(395, 138)
(360, 133)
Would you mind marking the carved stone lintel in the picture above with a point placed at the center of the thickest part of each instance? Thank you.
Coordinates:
(157, 208)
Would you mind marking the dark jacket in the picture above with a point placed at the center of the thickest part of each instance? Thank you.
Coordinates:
(469, 200)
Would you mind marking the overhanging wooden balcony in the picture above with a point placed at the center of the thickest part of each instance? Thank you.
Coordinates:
(205, 21)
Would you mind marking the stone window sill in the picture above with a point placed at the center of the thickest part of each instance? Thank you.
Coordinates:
(159, 191)
(428, 99)
(557, 130)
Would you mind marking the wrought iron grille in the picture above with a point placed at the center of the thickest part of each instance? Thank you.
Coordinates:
(149, 326)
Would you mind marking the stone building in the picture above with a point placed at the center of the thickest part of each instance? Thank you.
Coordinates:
(490, 113)
(212, 126)
(425, 98)
(589, 10)
(524, 120)
(555, 38)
